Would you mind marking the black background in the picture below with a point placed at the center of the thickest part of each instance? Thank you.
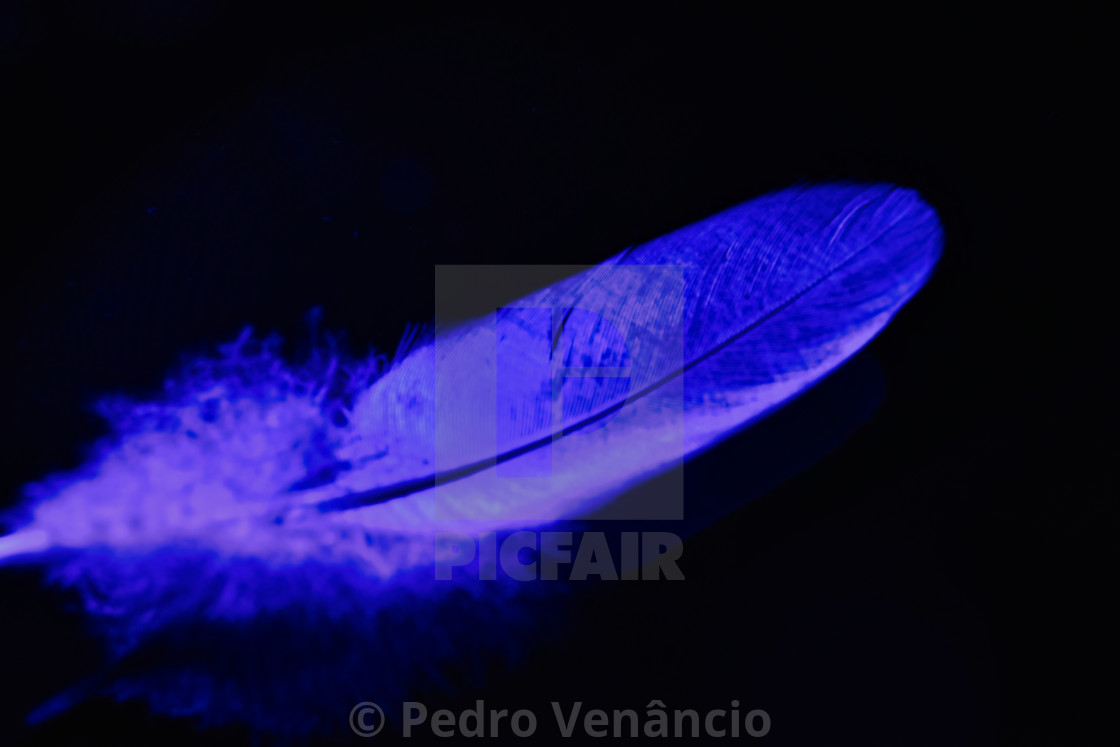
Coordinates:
(940, 578)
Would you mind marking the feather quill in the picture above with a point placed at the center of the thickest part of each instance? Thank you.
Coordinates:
(328, 495)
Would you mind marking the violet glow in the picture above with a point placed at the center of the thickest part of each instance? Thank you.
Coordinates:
(256, 492)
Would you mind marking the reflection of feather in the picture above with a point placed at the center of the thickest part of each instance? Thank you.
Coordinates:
(254, 491)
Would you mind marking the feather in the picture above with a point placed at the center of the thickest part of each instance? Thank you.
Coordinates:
(732, 317)
(263, 488)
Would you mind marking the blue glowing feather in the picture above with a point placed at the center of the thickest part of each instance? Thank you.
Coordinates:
(263, 495)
